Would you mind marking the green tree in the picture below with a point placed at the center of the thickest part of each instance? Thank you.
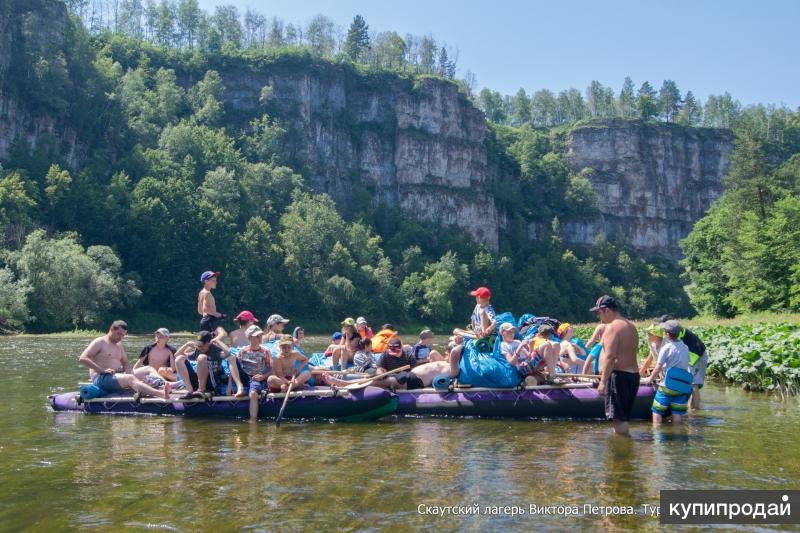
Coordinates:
(17, 207)
(669, 100)
(189, 18)
(544, 109)
(646, 102)
(356, 44)
(70, 286)
(57, 190)
(321, 36)
(429, 295)
(522, 108)
(626, 103)
(227, 25)
(691, 111)
(13, 302)
(491, 103)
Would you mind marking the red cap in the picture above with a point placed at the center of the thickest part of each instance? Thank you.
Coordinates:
(482, 292)
(245, 316)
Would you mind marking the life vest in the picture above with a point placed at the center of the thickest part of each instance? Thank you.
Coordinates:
(694, 344)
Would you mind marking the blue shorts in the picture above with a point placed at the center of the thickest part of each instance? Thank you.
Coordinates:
(668, 402)
(107, 382)
(258, 386)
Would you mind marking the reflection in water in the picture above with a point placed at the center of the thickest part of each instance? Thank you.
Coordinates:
(183, 474)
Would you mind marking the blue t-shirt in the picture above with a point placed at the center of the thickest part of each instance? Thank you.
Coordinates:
(421, 351)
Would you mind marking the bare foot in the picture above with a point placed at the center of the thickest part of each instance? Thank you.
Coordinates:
(240, 394)
(167, 389)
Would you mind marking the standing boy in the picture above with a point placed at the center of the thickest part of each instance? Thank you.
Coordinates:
(207, 307)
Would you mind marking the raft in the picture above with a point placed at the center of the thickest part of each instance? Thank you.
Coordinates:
(369, 403)
(572, 401)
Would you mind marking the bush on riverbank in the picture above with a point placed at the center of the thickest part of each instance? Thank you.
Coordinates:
(760, 357)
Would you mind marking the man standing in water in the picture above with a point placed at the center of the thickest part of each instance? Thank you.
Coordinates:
(619, 371)
(109, 368)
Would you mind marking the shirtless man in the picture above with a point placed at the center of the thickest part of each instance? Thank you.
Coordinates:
(208, 351)
(619, 371)
(283, 370)
(109, 368)
(207, 306)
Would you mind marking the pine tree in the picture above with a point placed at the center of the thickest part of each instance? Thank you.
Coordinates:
(447, 68)
(357, 41)
(690, 112)
(626, 104)
(669, 100)
(646, 101)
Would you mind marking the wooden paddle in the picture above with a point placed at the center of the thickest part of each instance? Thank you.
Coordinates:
(355, 384)
(560, 375)
(283, 407)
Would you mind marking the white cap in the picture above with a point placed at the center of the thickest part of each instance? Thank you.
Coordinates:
(274, 319)
(361, 321)
(253, 331)
(163, 332)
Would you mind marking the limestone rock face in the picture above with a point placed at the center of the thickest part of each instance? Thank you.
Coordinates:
(420, 145)
(32, 30)
(652, 181)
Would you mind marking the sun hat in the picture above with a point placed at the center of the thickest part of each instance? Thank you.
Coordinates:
(348, 322)
(274, 319)
(253, 331)
(506, 326)
(208, 274)
(481, 292)
(604, 302)
(246, 316)
(655, 329)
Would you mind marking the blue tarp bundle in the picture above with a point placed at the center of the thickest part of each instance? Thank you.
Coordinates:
(486, 369)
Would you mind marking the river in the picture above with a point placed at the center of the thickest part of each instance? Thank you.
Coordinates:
(69, 471)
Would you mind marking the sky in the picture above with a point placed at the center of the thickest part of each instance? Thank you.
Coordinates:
(749, 49)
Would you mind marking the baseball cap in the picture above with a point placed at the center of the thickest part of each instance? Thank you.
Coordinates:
(388, 326)
(286, 340)
(655, 330)
(506, 326)
(604, 302)
(481, 292)
(563, 327)
(208, 274)
(361, 321)
(274, 319)
(348, 322)
(394, 343)
(246, 316)
(664, 318)
(253, 331)
(426, 334)
(164, 332)
(205, 336)
(337, 336)
(673, 327)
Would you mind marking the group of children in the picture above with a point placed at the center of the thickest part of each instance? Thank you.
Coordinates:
(207, 364)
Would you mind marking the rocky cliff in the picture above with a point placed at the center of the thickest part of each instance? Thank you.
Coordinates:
(652, 181)
(419, 144)
(32, 34)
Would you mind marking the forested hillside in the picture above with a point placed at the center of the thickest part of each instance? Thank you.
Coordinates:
(153, 164)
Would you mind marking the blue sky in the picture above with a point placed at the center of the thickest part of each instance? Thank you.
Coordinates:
(749, 49)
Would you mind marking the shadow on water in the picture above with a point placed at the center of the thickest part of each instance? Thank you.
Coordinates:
(113, 472)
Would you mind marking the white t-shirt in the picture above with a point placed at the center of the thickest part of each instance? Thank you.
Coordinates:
(673, 354)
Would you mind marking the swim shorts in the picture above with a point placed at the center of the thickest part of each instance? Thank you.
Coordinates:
(107, 382)
(621, 393)
(196, 381)
(699, 370)
(209, 323)
(668, 402)
(258, 386)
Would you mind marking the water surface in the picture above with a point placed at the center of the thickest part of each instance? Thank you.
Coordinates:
(68, 471)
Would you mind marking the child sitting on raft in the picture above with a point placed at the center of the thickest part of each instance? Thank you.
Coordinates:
(549, 350)
(283, 368)
(256, 367)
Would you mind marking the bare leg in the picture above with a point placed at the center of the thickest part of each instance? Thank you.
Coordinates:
(657, 419)
(183, 372)
(202, 371)
(455, 359)
(621, 428)
(677, 419)
(588, 366)
(337, 353)
(129, 381)
(435, 356)
(277, 382)
(302, 379)
(234, 369)
(694, 401)
(253, 406)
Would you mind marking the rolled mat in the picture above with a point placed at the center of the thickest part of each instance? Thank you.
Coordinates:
(483, 346)
(88, 392)
(441, 381)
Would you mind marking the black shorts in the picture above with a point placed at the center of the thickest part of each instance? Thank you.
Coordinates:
(621, 393)
(196, 381)
(209, 323)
